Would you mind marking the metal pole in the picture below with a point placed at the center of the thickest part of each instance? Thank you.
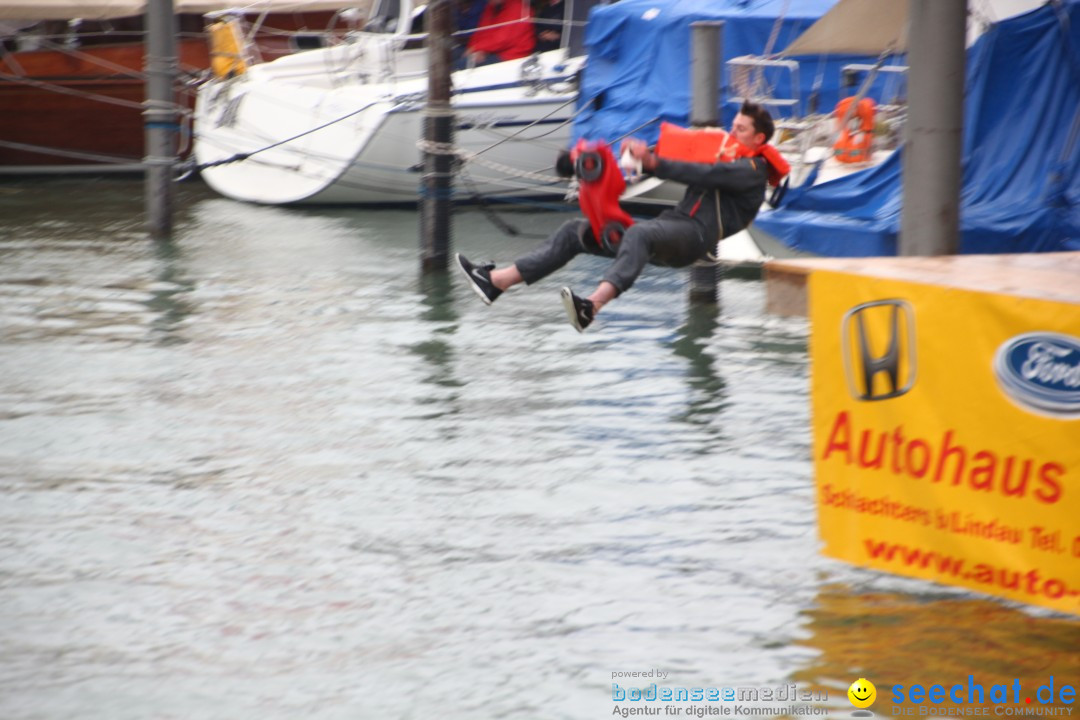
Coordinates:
(436, 201)
(929, 222)
(706, 48)
(159, 115)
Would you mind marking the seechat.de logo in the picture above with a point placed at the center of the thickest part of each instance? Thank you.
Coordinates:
(1040, 371)
(879, 349)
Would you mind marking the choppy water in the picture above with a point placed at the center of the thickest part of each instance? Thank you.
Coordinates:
(268, 471)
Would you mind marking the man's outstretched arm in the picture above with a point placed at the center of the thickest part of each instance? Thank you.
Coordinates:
(742, 175)
(739, 176)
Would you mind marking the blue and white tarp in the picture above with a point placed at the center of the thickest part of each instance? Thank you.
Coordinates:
(639, 52)
(1021, 156)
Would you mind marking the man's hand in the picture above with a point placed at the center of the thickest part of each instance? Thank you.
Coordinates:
(640, 151)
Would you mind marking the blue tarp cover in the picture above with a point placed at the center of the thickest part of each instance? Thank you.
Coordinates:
(639, 60)
(1021, 183)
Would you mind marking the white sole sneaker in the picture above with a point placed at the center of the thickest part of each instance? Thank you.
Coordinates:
(568, 301)
(472, 281)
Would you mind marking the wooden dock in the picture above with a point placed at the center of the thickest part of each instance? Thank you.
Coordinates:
(1043, 276)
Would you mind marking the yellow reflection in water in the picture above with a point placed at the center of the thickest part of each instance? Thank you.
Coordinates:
(892, 638)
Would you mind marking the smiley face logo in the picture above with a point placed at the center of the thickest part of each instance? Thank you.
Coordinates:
(862, 693)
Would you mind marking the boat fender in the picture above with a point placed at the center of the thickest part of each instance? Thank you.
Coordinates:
(226, 48)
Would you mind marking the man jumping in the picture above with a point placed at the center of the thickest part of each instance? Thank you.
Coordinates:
(721, 199)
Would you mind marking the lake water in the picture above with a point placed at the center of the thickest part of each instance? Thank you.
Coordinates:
(267, 470)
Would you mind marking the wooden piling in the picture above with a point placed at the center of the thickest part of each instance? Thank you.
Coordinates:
(436, 202)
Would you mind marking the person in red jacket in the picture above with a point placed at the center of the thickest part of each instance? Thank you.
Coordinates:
(505, 33)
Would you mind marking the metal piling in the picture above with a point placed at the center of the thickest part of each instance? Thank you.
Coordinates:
(160, 116)
(706, 50)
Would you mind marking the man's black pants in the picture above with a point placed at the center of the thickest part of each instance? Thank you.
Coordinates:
(667, 241)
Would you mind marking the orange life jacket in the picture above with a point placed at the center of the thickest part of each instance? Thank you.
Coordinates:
(600, 185)
(710, 145)
(853, 145)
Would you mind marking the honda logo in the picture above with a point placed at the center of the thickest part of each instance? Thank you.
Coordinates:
(879, 349)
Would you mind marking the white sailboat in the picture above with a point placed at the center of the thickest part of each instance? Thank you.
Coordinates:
(341, 125)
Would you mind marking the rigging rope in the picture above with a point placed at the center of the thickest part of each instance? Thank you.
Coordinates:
(71, 91)
(759, 80)
(245, 155)
(92, 59)
(435, 148)
(72, 154)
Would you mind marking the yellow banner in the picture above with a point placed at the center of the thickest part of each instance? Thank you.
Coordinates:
(947, 435)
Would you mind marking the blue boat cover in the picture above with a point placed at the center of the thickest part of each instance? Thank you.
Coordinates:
(639, 61)
(1021, 155)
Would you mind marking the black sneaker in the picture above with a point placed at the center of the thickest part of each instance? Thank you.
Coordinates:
(580, 311)
(479, 279)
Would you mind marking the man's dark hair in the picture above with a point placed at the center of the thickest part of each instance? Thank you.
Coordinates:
(763, 122)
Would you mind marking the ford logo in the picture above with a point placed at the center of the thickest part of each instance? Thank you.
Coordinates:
(1040, 371)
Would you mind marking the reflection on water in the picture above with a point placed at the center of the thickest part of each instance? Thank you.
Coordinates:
(167, 294)
(692, 344)
(437, 291)
(947, 639)
(267, 469)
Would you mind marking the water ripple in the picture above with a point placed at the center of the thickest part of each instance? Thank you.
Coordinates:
(269, 470)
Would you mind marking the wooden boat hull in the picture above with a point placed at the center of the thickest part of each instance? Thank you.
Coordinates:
(87, 104)
(67, 105)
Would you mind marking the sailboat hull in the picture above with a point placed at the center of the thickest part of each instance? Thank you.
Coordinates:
(266, 140)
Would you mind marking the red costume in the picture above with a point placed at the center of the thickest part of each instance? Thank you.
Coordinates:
(507, 42)
(598, 194)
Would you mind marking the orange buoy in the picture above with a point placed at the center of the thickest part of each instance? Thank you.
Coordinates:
(856, 135)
